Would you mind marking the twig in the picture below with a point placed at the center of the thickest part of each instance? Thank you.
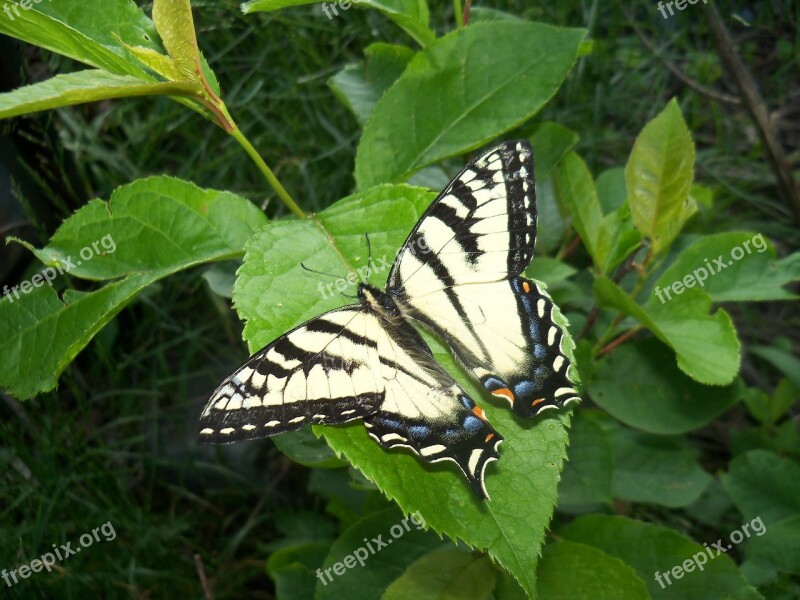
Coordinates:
(467, 7)
(787, 186)
(675, 70)
(198, 563)
(620, 340)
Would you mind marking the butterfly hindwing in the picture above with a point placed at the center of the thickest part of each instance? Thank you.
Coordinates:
(349, 364)
(467, 288)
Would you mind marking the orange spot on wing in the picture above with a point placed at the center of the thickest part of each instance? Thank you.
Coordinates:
(504, 393)
(488, 437)
(537, 401)
(478, 412)
(526, 286)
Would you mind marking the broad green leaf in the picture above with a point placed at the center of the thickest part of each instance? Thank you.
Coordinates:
(509, 527)
(733, 267)
(305, 448)
(777, 546)
(652, 468)
(639, 384)
(293, 569)
(587, 473)
(616, 238)
(411, 15)
(372, 553)
(654, 551)
(575, 189)
(134, 237)
(445, 575)
(461, 92)
(611, 189)
(96, 34)
(173, 20)
(81, 87)
(549, 270)
(764, 485)
(659, 176)
(706, 346)
(551, 142)
(360, 86)
(570, 570)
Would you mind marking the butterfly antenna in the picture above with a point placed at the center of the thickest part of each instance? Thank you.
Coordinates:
(319, 272)
(369, 249)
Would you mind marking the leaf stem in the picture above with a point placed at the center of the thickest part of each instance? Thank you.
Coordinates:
(225, 120)
(268, 174)
(459, 13)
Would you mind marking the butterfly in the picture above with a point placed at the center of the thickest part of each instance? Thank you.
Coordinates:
(459, 274)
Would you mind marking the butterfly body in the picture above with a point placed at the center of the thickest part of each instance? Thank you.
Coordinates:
(459, 275)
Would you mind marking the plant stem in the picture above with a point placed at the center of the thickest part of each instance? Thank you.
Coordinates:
(268, 174)
(459, 13)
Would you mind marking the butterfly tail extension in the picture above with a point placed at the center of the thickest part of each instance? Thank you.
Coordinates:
(465, 438)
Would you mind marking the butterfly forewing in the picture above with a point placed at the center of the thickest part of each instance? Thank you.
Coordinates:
(467, 288)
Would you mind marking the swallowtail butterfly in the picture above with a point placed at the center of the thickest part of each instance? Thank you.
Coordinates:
(366, 361)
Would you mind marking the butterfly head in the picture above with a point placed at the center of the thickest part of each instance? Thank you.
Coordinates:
(378, 300)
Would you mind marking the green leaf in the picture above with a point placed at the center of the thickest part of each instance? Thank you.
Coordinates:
(549, 270)
(570, 570)
(132, 237)
(462, 91)
(786, 362)
(78, 88)
(611, 189)
(777, 547)
(587, 473)
(509, 527)
(360, 86)
(95, 35)
(639, 385)
(366, 568)
(652, 468)
(304, 448)
(659, 176)
(411, 15)
(293, 569)
(173, 20)
(616, 238)
(711, 263)
(445, 575)
(551, 142)
(652, 549)
(706, 346)
(575, 189)
(769, 408)
(764, 485)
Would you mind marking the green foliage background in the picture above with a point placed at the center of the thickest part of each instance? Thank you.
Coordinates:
(688, 429)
